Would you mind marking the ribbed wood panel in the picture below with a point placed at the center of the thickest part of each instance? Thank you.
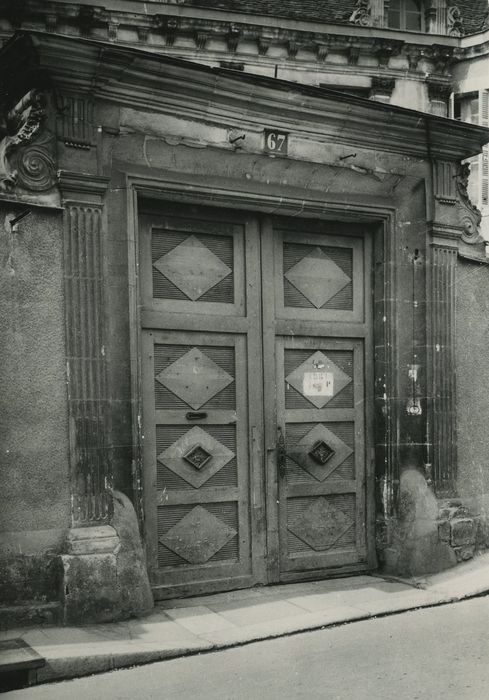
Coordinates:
(163, 241)
(165, 355)
(343, 359)
(170, 516)
(344, 504)
(169, 434)
(343, 257)
(296, 431)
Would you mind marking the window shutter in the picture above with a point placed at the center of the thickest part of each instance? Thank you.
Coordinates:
(484, 121)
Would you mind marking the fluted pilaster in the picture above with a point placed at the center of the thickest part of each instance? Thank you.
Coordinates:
(91, 476)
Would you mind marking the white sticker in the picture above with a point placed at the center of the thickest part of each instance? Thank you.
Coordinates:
(318, 384)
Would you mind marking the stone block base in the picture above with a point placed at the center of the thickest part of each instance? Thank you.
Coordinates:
(104, 572)
(457, 528)
(90, 592)
(429, 535)
(415, 540)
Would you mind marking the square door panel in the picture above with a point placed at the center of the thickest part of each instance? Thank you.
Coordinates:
(319, 277)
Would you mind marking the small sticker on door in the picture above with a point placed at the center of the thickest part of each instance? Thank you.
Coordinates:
(318, 384)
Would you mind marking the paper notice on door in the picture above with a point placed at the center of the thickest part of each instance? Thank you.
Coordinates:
(318, 384)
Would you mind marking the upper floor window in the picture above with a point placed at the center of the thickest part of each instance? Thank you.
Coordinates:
(406, 15)
(466, 107)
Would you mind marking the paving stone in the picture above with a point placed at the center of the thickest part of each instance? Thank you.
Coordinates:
(244, 615)
(402, 601)
(344, 598)
(163, 632)
(277, 628)
(199, 619)
(227, 597)
(466, 585)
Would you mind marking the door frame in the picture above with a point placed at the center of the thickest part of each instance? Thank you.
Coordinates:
(381, 219)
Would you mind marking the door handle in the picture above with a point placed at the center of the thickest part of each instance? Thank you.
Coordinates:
(281, 453)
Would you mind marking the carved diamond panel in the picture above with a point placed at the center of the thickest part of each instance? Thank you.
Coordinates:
(198, 536)
(192, 267)
(196, 456)
(320, 525)
(318, 379)
(317, 277)
(302, 452)
(194, 378)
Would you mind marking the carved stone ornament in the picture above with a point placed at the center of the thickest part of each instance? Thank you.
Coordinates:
(470, 217)
(361, 15)
(414, 55)
(455, 25)
(442, 57)
(439, 91)
(23, 162)
(382, 86)
(384, 49)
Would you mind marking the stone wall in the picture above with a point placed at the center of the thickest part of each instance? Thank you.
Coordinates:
(472, 387)
(35, 494)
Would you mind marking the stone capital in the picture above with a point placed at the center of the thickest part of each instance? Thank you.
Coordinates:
(87, 185)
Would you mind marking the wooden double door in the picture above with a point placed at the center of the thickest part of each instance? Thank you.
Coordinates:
(255, 360)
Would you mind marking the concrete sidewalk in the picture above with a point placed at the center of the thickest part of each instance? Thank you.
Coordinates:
(192, 625)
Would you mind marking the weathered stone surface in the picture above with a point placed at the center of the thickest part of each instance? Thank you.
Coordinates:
(444, 531)
(29, 578)
(110, 585)
(90, 588)
(482, 533)
(132, 576)
(448, 512)
(92, 540)
(416, 547)
(464, 553)
(31, 614)
(463, 532)
(472, 377)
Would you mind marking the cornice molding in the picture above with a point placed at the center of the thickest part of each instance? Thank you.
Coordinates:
(165, 23)
(154, 83)
(477, 256)
(450, 237)
(195, 190)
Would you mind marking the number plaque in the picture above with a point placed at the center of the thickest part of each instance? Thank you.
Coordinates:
(276, 142)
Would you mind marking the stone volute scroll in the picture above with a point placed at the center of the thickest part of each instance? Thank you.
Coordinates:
(469, 215)
(361, 15)
(26, 148)
(451, 181)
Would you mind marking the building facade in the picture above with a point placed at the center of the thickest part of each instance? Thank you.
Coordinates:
(242, 302)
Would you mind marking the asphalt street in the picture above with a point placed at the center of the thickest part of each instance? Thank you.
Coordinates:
(435, 653)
